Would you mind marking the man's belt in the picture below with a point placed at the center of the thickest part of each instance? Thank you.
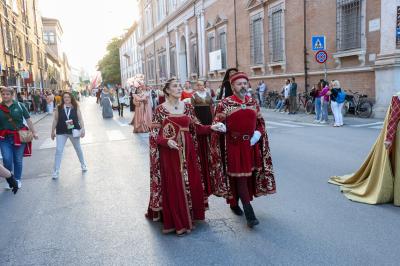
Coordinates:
(239, 136)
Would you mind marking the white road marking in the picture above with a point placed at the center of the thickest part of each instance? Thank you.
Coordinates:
(305, 124)
(377, 127)
(122, 124)
(115, 135)
(367, 125)
(48, 144)
(281, 124)
(88, 138)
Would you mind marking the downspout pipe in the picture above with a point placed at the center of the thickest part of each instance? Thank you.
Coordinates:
(236, 50)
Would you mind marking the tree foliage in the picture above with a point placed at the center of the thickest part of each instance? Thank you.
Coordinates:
(109, 65)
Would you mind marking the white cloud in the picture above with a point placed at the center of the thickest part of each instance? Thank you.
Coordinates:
(88, 26)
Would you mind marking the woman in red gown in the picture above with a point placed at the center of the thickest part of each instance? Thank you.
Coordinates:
(176, 187)
(187, 92)
(203, 108)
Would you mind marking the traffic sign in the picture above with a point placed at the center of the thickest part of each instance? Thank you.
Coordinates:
(318, 42)
(321, 56)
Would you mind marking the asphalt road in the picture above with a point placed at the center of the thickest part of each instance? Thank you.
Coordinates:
(98, 218)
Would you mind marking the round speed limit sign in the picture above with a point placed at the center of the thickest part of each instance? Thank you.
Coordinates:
(321, 56)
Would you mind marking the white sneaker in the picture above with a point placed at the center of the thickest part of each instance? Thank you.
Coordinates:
(7, 186)
(19, 183)
(316, 121)
(84, 168)
(322, 122)
(56, 175)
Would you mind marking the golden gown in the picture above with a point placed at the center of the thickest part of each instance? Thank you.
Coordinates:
(378, 179)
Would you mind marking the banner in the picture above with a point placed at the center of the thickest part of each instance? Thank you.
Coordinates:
(215, 59)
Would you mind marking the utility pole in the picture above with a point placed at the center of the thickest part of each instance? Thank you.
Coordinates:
(305, 45)
(236, 50)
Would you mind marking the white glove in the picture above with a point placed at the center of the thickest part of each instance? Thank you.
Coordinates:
(220, 127)
(255, 138)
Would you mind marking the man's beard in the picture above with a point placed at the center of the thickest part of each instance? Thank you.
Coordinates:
(243, 92)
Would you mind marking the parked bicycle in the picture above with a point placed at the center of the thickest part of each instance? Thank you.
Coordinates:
(357, 104)
(305, 101)
(271, 99)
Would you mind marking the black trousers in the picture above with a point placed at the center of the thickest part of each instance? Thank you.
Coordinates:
(121, 109)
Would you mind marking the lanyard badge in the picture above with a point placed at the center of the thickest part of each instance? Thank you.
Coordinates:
(69, 122)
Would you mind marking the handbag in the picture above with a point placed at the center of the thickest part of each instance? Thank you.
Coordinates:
(76, 133)
(126, 100)
(25, 135)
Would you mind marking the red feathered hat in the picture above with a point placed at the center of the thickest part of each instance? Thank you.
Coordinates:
(238, 75)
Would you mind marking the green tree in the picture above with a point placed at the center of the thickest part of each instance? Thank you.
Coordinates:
(109, 65)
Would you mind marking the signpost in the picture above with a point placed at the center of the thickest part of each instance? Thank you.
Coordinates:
(321, 57)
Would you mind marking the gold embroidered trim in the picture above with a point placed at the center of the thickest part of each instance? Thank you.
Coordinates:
(239, 174)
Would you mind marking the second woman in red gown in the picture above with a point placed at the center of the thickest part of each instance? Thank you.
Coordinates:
(176, 187)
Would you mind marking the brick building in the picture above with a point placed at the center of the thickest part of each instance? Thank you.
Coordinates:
(271, 40)
(22, 51)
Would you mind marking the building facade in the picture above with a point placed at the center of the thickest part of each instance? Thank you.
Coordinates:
(271, 40)
(131, 62)
(58, 69)
(22, 51)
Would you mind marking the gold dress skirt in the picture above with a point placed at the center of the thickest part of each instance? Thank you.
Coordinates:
(378, 179)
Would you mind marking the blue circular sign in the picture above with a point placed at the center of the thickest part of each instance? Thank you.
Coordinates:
(321, 56)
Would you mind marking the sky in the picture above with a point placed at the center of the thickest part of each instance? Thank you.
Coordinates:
(88, 26)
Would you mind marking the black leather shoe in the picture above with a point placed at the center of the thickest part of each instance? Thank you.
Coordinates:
(250, 216)
(12, 183)
(237, 210)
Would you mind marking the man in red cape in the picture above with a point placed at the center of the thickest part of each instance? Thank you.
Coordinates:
(241, 165)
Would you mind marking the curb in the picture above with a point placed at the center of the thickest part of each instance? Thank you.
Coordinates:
(40, 119)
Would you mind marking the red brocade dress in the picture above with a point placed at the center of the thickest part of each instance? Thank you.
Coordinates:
(176, 186)
(202, 104)
(233, 157)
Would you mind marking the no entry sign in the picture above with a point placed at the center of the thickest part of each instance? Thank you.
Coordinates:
(321, 56)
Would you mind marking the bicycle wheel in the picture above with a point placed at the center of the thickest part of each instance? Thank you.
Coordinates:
(298, 105)
(345, 109)
(364, 109)
(309, 107)
(276, 100)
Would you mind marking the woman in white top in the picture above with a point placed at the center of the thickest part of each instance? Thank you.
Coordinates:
(286, 95)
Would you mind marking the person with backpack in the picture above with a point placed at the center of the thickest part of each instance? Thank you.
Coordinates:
(337, 100)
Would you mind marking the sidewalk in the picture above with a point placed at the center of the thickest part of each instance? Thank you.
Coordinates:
(301, 117)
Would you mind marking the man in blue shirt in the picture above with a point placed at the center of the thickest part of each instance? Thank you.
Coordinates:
(262, 89)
